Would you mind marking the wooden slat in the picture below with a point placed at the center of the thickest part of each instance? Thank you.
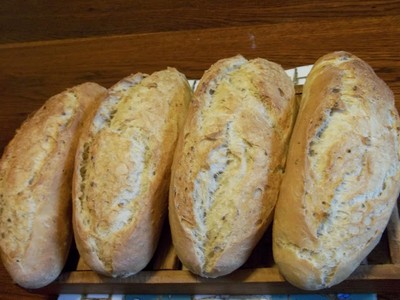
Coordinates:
(165, 256)
(82, 266)
(261, 256)
(167, 259)
(393, 229)
(365, 279)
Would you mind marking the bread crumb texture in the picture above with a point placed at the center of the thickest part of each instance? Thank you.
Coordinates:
(227, 171)
(342, 175)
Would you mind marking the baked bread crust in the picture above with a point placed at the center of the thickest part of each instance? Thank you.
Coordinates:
(122, 171)
(229, 163)
(35, 187)
(342, 176)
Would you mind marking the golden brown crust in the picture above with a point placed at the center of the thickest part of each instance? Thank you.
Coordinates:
(35, 184)
(228, 163)
(342, 176)
(122, 170)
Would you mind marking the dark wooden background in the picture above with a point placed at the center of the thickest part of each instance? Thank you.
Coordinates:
(48, 46)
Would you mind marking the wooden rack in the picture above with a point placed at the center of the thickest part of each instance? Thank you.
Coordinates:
(379, 272)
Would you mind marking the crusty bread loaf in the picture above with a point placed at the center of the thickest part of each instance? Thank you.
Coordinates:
(229, 162)
(122, 171)
(342, 176)
(35, 187)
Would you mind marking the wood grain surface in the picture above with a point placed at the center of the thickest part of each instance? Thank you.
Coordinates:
(28, 20)
(48, 46)
(31, 72)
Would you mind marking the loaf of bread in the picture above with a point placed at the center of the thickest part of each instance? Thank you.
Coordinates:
(35, 187)
(342, 176)
(122, 171)
(229, 162)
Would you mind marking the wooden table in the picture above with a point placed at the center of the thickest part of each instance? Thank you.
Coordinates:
(47, 46)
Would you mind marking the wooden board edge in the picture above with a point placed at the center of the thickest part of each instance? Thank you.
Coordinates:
(366, 279)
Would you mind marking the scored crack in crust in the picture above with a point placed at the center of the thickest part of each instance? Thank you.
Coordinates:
(229, 162)
(35, 186)
(123, 168)
(342, 175)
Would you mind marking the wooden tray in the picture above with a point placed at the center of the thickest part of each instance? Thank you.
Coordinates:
(379, 272)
